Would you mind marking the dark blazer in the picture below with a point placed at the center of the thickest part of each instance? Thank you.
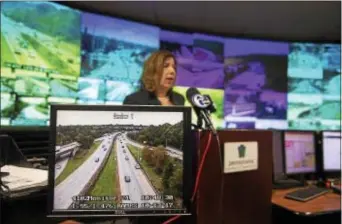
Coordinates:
(144, 97)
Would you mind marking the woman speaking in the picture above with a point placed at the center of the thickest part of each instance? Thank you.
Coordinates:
(158, 78)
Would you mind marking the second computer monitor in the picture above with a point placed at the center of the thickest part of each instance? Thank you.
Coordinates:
(331, 151)
(299, 150)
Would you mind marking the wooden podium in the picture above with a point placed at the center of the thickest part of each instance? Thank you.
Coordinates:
(246, 195)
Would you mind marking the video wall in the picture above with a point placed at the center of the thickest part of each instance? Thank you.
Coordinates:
(54, 54)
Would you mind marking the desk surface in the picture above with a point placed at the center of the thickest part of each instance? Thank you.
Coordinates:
(327, 203)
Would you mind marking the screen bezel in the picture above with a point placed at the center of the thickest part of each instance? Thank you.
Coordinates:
(332, 171)
(188, 159)
(284, 153)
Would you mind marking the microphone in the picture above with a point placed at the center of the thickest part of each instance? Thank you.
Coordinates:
(203, 106)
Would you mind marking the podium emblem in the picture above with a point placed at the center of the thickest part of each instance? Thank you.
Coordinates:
(242, 151)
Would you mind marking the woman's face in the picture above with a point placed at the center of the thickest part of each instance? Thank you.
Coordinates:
(168, 77)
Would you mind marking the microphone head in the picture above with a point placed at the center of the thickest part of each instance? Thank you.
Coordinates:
(196, 99)
(190, 93)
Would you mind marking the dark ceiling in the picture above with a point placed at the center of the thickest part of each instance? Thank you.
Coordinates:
(287, 20)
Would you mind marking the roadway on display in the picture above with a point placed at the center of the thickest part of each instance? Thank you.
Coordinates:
(139, 184)
(76, 181)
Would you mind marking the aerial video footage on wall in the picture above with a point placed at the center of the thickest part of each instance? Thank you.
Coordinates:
(331, 108)
(314, 91)
(208, 62)
(118, 160)
(199, 64)
(40, 58)
(54, 54)
(113, 53)
(180, 44)
(255, 84)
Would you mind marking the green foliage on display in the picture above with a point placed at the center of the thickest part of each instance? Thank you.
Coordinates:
(165, 134)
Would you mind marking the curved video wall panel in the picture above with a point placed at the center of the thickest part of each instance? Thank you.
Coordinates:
(54, 54)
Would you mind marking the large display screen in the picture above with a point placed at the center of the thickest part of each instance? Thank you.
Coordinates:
(255, 84)
(200, 65)
(120, 161)
(314, 87)
(52, 54)
(113, 53)
(40, 58)
(181, 45)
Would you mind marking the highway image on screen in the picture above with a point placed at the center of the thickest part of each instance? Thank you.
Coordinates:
(199, 59)
(115, 50)
(332, 83)
(40, 34)
(306, 86)
(332, 57)
(118, 160)
(31, 86)
(314, 87)
(180, 45)
(63, 88)
(7, 105)
(117, 91)
(305, 61)
(240, 105)
(314, 102)
(264, 99)
(92, 89)
(207, 67)
(7, 83)
(30, 111)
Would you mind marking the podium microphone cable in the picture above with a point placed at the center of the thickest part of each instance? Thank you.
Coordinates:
(199, 173)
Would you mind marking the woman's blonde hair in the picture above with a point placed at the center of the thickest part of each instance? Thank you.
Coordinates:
(153, 69)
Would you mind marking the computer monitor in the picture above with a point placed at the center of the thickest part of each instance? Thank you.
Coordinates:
(299, 148)
(278, 161)
(120, 161)
(331, 147)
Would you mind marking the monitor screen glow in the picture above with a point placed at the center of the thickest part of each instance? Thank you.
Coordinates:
(299, 152)
(117, 160)
(331, 151)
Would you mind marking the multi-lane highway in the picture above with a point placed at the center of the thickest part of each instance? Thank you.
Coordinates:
(120, 61)
(133, 181)
(76, 181)
(170, 151)
(13, 33)
(13, 36)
